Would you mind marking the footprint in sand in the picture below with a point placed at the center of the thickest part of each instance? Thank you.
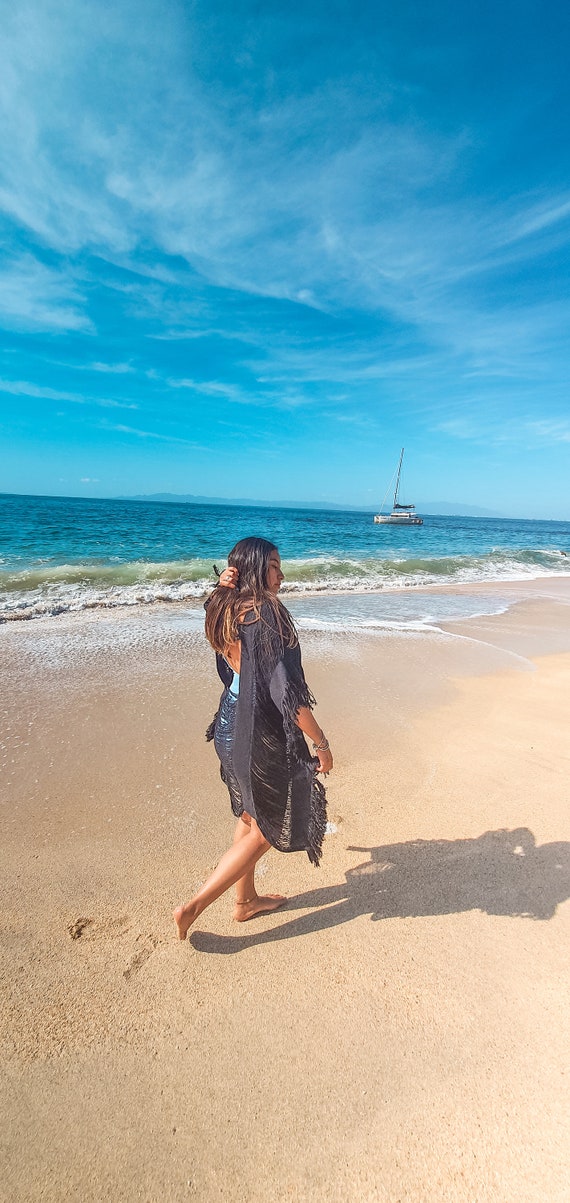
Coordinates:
(141, 955)
(101, 929)
(77, 928)
(109, 929)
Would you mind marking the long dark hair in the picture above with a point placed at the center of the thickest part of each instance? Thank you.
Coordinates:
(226, 608)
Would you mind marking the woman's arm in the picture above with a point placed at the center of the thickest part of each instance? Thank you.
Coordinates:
(309, 726)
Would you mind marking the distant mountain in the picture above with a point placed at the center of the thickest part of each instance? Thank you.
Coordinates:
(247, 502)
(444, 508)
(456, 509)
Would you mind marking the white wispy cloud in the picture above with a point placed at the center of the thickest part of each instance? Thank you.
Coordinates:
(501, 429)
(217, 388)
(79, 365)
(549, 430)
(115, 369)
(211, 388)
(25, 388)
(34, 296)
(151, 434)
(317, 198)
(541, 216)
(110, 403)
(463, 428)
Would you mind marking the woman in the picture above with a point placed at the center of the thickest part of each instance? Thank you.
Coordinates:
(265, 708)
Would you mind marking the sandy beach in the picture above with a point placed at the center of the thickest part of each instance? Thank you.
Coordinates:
(398, 1032)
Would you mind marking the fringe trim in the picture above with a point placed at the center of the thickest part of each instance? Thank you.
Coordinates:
(317, 822)
(210, 731)
(297, 694)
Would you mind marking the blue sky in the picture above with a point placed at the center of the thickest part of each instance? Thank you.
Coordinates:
(254, 249)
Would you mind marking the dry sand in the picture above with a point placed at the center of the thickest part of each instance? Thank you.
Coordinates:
(398, 1033)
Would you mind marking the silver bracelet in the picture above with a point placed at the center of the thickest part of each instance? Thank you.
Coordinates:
(323, 746)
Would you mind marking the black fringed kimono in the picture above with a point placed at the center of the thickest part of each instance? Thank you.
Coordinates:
(265, 762)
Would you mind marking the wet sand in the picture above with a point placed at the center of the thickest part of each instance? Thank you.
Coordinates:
(397, 1032)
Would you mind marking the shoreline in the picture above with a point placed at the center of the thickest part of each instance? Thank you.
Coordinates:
(516, 589)
(397, 1028)
(515, 584)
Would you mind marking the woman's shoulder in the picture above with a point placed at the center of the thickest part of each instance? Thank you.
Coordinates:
(269, 611)
(265, 613)
(275, 616)
(264, 624)
(248, 617)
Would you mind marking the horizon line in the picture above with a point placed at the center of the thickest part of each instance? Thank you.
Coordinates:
(252, 503)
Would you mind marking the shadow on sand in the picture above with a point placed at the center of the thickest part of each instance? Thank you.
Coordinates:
(500, 873)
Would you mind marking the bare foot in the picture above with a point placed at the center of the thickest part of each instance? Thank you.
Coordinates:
(260, 905)
(184, 918)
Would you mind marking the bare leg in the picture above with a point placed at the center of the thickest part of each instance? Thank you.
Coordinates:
(248, 902)
(239, 860)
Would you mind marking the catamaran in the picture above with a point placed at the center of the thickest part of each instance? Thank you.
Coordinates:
(402, 515)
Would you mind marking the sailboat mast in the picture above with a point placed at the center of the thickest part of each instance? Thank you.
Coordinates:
(398, 478)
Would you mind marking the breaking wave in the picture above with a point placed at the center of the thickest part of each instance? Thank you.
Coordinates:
(46, 588)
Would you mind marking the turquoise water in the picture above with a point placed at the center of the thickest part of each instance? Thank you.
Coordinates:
(65, 554)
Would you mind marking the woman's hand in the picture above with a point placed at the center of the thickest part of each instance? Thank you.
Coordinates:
(228, 578)
(310, 727)
(325, 761)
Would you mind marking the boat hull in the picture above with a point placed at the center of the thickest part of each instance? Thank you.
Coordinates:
(398, 520)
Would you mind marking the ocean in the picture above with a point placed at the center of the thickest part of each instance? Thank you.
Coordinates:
(60, 554)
